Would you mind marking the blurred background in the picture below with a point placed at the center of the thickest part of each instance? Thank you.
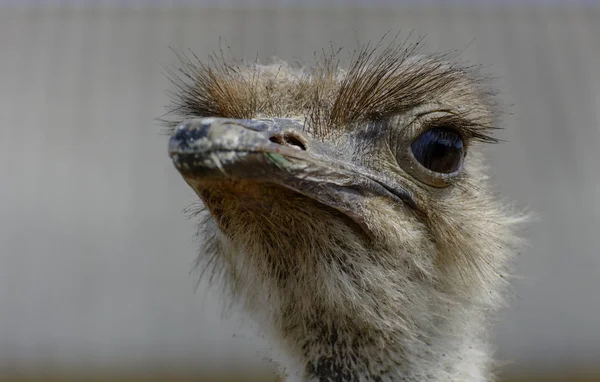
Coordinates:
(96, 254)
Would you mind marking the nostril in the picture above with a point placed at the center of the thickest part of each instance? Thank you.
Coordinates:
(295, 141)
(277, 139)
(289, 139)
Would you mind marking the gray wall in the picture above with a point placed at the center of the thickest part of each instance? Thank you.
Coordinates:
(95, 254)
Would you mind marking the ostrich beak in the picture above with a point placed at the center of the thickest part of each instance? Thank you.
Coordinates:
(276, 151)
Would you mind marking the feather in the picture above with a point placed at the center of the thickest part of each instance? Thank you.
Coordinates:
(380, 82)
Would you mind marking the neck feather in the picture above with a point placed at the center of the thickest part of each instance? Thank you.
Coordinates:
(332, 349)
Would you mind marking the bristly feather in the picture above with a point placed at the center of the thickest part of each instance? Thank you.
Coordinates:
(379, 82)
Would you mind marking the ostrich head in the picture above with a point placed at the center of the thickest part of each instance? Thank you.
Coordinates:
(347, 209)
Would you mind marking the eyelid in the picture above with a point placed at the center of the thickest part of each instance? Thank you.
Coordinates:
(446, 118)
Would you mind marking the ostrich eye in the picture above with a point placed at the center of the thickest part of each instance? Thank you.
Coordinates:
(439, 150)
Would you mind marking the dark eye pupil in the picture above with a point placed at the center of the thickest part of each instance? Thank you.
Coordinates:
(439, 150)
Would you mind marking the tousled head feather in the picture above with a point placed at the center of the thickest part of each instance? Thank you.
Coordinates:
(380, 81)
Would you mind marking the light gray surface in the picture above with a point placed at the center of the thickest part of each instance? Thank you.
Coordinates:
(94, 251)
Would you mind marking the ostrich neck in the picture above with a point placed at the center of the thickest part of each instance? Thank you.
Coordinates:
(331, 324)
(327, 351)
(334, 354)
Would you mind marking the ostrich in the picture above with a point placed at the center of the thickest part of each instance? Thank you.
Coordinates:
(347, 211)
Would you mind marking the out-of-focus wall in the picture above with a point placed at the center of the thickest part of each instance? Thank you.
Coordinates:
(95, 254)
